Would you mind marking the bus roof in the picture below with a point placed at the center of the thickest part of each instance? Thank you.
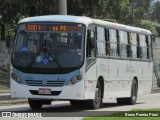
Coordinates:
(59, 18)
(121, 26)
(84, 20)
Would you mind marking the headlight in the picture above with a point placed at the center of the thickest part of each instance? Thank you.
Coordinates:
(75, 79)
(16, 78)
(79, 77)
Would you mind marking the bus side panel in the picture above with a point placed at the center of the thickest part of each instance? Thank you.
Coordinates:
(103, 71)
(116, 75)
(90, 82)
(143, 71)
(99, 69)
(119, 74)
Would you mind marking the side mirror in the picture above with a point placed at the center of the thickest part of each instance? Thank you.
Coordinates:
(92, 42)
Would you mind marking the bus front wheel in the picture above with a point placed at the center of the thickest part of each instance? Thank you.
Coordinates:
(35, 104)
(96, 103)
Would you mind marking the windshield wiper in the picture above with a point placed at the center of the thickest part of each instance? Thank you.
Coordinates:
(51, 54)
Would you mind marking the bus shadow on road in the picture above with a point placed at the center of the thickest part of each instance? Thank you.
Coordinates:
(75, 108)
(111, 105)
(64, 107)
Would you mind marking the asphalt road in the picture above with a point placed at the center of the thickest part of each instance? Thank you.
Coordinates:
(63, 109)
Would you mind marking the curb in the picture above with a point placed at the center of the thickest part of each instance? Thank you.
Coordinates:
(13, 102)
(155, 90)
(5, 99)
(5, 91)
(5, 96)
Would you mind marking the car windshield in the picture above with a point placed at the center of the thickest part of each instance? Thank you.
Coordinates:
(46, 48)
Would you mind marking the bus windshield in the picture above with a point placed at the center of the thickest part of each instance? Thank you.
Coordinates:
(49, 47)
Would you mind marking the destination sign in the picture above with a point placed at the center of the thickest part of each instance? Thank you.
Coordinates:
(53, 27)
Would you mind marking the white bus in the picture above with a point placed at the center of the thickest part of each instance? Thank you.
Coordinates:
(79, 59)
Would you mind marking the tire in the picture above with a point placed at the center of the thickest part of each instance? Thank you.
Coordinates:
(35, 104)
(130, 100)
(97, 102)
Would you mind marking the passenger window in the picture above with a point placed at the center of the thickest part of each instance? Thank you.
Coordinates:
(133, 40)
(101, 51)
(113, 42)
(123, 44)
(143, 46)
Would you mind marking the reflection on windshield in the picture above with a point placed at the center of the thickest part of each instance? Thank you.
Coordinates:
(44, 49)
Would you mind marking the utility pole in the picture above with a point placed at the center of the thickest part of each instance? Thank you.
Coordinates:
(63, 7)
(132, 15)
(133, 4)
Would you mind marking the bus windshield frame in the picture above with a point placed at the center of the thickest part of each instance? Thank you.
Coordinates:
(49, 48)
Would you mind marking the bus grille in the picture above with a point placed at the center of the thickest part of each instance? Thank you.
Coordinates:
(45, 83)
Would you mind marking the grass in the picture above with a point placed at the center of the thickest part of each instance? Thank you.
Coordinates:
(121, 115)
(122, 118)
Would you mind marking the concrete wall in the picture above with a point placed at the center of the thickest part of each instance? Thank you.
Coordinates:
(4, 55)
(156, 61)
(156, 52)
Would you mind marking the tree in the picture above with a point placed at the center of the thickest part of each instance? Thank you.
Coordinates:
(155, 13)
(152, 26)
(123, 11)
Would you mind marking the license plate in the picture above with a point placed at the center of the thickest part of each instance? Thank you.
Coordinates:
(44, 91)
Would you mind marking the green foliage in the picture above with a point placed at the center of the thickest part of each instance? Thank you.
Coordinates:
(124, 11)
(16, 18)
(120, 115)
(152, 26)
(155, 12)
(120, 10)
(122, 118)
